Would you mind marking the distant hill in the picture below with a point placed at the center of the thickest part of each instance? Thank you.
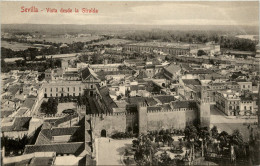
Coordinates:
(122, 28)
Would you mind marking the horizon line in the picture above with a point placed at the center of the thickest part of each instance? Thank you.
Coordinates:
(130, 24)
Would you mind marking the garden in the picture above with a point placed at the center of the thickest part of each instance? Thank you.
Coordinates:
(195, 144)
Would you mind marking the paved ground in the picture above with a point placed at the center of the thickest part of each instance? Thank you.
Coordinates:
(64, 106)
(109, 153)
(229, 124)
(217, 116)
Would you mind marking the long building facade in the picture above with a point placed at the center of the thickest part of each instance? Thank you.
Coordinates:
(172, 48)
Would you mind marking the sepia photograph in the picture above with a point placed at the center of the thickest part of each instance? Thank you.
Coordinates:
(146, 83)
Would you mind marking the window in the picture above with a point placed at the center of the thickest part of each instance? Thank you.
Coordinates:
(68, 89)
(74, 89)
(73, 94)
(250, 107)
(248, 86)
(51, 95)
(244, 86)
(45, 89)
(62, 89)
(51, 89)
(56, 94)
(79, 88)
(91, 86)
(56, 89)
(244, 107)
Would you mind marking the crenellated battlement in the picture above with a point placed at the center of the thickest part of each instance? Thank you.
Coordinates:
(112, 114)
(171, 110)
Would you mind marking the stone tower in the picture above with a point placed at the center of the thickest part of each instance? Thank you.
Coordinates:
(204, 113)
(142, 118)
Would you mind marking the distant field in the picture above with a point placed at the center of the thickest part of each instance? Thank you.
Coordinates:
(113, 41)
(61, 56)
(15, 46)
(66, 40)
(251, 37)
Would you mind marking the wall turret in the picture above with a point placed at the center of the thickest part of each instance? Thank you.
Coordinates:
(204, 112)
(142, 118)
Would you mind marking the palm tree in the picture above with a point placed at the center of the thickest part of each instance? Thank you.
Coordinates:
(190, 132)
(214, 132)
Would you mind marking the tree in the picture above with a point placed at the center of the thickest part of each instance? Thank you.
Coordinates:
(201, 52)
(223, 138)
(190, 132)
(41, 77)
(49, 107)
(165, 158)
(214, 132)
(236, 138)
(14, 145)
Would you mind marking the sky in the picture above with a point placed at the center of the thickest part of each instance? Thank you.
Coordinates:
(144, 13)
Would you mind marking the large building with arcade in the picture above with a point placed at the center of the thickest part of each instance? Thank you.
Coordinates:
(172, 48)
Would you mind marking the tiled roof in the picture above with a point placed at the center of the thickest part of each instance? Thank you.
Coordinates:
(142, 74)
(20, 124)
(183, 104)
(23, 162)
(104, 91)
(200, 71)
(56, 122)
(172, 68)
(154, 108)
(165, 99)
(49, 133)
(136, 87)
(29, 102)
(135, 100)
(21, 111)
(42, 161)
(115, 72)
(5, 113)
(8, 81)
(191, 81)
(87, 72)
(14, 89)
(61, 148)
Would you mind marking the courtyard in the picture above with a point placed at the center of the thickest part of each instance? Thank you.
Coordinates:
(110, 151)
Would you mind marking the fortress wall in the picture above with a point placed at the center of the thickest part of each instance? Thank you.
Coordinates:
(177, 119)
(166, 120)
(191, 116)
(110, 123)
